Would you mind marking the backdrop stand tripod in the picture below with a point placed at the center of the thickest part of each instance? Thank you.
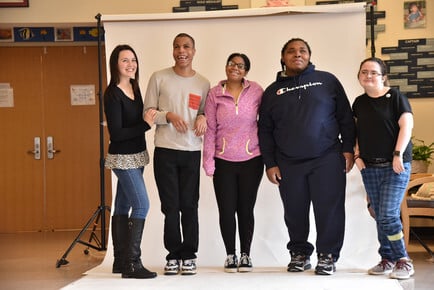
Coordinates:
(372, 26)
(99, 214)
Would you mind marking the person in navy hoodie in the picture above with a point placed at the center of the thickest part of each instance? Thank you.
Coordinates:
(232, 157)
(307, 137)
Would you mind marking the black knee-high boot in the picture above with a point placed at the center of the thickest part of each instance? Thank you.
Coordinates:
(120, 240)
(134, 267)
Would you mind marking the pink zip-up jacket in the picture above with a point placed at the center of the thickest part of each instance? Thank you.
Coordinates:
(232, 132)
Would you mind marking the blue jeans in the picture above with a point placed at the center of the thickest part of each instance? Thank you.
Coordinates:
(386, 190)
(131, 193)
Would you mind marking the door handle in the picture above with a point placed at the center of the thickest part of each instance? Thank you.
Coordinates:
(36, 148)
(50, 148)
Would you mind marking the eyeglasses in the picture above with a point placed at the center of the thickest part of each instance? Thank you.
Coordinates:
(372, 73)
(241, 66)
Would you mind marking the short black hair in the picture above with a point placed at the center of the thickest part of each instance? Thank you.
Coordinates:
(183, 34)
(243, 56)
(289, 42)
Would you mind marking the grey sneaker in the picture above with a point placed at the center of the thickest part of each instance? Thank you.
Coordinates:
(299, 263)
(382, 268)
(245, 264)
(188, 267)
(403, 269)
(231, 264)
(172, 267)
(326, 265)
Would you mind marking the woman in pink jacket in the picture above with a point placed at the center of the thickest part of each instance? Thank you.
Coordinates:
(232, 157)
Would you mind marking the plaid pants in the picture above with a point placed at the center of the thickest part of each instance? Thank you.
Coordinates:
(386, 190)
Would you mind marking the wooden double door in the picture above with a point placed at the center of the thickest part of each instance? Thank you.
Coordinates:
(49, 148)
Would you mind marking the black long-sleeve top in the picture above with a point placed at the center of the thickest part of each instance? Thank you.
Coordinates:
(125, 121)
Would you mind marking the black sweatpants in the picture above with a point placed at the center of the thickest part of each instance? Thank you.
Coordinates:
(320, 181)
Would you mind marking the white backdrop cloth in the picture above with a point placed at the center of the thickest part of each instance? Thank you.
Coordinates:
(336, 34)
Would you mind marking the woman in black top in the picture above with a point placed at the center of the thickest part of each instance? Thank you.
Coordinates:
(384, 122)
(127, 157)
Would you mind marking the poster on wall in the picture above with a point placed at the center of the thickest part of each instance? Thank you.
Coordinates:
(275, 3)
(6, 95)
(63, 34)
(82, 95)
(14, 3)
(34, 34)
(415, 14)
(6, 34)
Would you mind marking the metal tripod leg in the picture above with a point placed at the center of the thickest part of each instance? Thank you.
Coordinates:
(101, 246)
(93, 236)
(100, 212)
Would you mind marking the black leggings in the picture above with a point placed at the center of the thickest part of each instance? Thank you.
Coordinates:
(236, 187)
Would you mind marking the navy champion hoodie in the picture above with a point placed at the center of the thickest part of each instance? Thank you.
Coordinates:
(304, 116)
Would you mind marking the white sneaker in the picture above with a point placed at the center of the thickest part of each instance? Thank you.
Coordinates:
(382, 268)
(172, 267)
(403, 269)
(188, 267)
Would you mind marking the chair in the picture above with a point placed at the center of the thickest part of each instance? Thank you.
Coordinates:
(411, 207)
(419, 175)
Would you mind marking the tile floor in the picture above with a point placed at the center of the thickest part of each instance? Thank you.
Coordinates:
(28, 261)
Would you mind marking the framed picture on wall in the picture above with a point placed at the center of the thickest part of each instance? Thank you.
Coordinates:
(6, 34)
(275, 3)
(415, 14)
(63, 34)
(14, 3)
